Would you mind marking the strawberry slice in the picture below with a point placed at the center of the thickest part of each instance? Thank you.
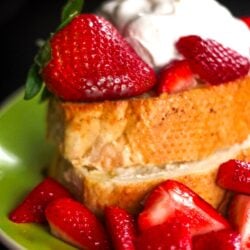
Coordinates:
(175, 77)
(91, 61)
(172, 200)
(221, 240)
(121, 228)
(74, 223)
(166, 236)
(239, 215)
(212, 62)
(235, 176)
(246, 20)
(33, 206)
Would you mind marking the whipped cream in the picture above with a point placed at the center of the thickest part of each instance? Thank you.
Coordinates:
(153, 26)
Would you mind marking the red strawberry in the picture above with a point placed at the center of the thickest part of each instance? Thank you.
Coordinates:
(33, 206)
(172, 200)
(166, 236)
(211, 61)
(220, 240)
(176, 76)
(239, 215)
(74, 223)
(246, 20)
(121, 228)
(91, 61)
(234, 175)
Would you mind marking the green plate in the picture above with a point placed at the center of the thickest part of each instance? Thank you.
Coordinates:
(24, 154)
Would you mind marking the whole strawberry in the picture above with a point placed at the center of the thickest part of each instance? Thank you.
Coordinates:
(90, 61)
(211, 61)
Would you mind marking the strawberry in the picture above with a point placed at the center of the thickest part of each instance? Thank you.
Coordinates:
(234, 175)
(33, 206)
(176, 76)
(221, 240)
(91, 61)
(246, 20)
(165, 237)
(239, 215)
(75, 224)
(211, 61)
(121, 228)
(172, 200)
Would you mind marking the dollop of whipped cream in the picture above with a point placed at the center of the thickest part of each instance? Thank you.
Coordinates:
(153, 26)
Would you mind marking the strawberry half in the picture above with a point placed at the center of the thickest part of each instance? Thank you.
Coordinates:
(166, 236)
(220, 240)
(212, 62)
(234, 175)
(121, 227)
(175, 77)
(33, 206)
(91, 61)
(239, 215)
(74, 223)
(172, 200)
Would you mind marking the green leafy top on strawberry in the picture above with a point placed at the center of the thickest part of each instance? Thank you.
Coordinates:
(34, 80)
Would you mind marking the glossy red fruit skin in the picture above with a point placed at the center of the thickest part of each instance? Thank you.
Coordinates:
(91, 61)
(246, 20)
(235, 176)
(212, 62)
(75, 224)
(239, 216)
(172, 200)
(175, 77)
(220, 240)
(166, 236)
(33, 206)
(121, 227)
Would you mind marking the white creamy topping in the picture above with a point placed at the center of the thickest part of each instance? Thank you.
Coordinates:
(153, 26)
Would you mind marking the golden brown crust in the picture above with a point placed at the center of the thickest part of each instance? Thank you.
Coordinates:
(97, 189)
(187, 126)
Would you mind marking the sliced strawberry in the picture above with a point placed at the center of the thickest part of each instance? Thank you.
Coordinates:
(172, 200)
(246, 20)
(121, 227)
(32, 207)
(234, 175)
(239, 215)
(91, 61)
(166, 236)
(74, 223)
(212, 62)
(175, 77)
(221, 240)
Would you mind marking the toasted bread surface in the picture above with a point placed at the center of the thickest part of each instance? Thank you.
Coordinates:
(188, 126)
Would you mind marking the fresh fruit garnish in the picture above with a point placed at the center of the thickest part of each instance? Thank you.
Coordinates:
(121, 227)
(172, 200)
(211, 61)
(246, 20)
(33, 206)
(166, 236)
(75, 224)
(239, 215)
(234, 175)
(221, 240)
(91, 61)
(176, 76)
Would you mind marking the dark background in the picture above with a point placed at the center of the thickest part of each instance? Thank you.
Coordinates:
(23, 21)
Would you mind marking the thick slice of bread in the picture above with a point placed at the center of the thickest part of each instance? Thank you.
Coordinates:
(128, 186)
(146, 131)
